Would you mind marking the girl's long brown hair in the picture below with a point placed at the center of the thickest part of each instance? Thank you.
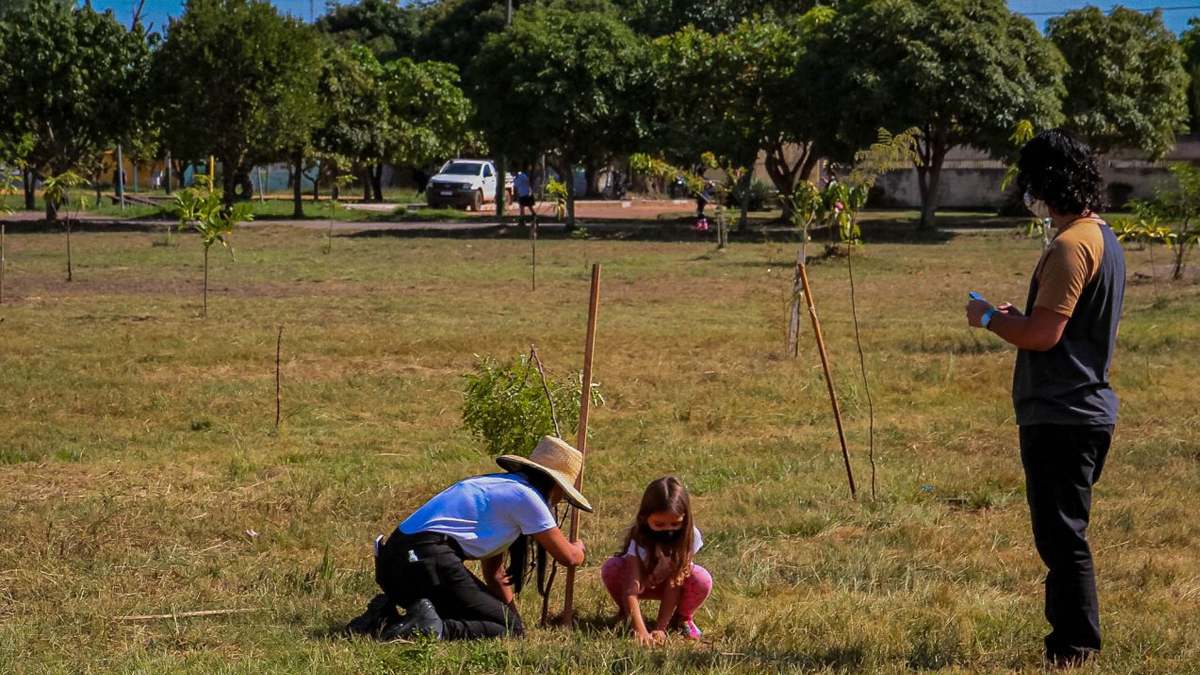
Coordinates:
(665, 494)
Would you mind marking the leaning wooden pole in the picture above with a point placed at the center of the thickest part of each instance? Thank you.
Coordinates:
(837, 412)
(581, 438)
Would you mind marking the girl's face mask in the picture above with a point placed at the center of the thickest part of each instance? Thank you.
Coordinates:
(1037, 207)
(665, 536)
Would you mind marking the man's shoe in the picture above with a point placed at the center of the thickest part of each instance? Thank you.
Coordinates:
(420, 620)
(380, 611)
(1059, 662)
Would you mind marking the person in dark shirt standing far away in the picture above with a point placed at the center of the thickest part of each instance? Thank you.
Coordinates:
(1065, 406)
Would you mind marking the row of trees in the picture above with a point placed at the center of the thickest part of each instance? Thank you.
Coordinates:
(583, 83)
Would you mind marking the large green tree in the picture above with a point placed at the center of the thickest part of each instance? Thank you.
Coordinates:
(739, 94)
(566, 79)
(354, 122)
(963, 72)
(1189, 41)
(70, 84)
(388, 29)
(663, 17)
(1126, 82)
(428, 113)
(238, 81)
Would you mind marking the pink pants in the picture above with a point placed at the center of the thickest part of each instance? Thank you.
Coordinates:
(695, 588)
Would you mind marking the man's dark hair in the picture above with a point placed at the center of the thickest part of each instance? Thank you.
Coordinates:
(1061, 170)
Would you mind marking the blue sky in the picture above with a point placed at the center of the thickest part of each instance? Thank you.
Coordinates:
(157, 11)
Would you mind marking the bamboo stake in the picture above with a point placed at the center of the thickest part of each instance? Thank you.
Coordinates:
(581, 439)
(837, 413)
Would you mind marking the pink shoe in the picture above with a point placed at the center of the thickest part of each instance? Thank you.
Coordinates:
(688, 628)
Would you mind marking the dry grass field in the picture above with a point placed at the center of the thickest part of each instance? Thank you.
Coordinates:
(140, 472)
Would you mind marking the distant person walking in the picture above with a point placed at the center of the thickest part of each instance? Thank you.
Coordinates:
(1066, 409)
(525, 198)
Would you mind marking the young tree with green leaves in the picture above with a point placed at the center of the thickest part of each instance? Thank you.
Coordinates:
(1126, 81)
(566, 79)
(70, 83)
(238, 81)
(1175, 215)
(56, 190)
(203, 209)
(963, 72)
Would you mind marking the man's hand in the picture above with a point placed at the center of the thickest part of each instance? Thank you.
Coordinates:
(975, 312)
(1007, 308)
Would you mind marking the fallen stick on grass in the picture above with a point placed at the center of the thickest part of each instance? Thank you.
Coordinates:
(181, 615)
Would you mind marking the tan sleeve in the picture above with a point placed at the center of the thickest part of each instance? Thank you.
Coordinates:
(1069, 266)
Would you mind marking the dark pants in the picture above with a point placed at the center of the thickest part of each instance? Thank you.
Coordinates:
(1062, 463)
(467, 608)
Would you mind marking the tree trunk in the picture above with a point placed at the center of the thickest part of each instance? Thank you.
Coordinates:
(743, 217)
(591, 175)
(297, 195)
(70, 267)
(784, 176)
(181, 168)
(51, 210)
(96, 184)
(570, 177)
(317, 184)
(377, 182)
(27, 179)
(366, 179)
(228, 182)
(929, 178)
(204, 308)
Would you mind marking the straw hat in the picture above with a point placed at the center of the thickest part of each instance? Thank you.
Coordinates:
(558, 460)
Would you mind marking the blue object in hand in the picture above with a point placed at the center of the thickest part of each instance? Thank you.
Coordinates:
(976, 296)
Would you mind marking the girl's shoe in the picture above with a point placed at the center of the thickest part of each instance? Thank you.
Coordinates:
(687, 627)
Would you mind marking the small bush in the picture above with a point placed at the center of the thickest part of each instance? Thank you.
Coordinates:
(761, 196)
(505, 406)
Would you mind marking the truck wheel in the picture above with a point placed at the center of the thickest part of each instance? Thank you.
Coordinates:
(477, 201)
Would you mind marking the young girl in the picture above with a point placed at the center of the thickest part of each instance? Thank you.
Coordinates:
(655, 563)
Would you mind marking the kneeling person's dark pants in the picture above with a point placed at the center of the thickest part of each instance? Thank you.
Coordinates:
(467, 608)
(1062, 462)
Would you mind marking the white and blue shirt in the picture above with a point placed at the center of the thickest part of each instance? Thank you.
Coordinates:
(484, 514)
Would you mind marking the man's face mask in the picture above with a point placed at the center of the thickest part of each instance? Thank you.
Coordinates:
(1037, 207)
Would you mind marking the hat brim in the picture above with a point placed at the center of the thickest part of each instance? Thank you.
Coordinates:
(513, 462)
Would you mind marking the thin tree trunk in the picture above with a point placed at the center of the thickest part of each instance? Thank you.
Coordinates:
(317, 184)
(297, 195)
(744, 218)
(929, 178)
(96, 184)
(204, 310)
(278, 387)
(70, 267)
(366, 173)
(2, 233)
(793, 341)
(377, 182)
(27, 179)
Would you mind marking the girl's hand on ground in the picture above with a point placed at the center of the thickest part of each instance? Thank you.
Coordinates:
(648, 639)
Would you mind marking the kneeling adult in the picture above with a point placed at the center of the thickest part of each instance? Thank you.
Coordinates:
(421, 565)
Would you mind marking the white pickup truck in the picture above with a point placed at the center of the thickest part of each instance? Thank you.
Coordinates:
(465, 182)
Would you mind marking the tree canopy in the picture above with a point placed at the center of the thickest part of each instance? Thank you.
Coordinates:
(388, 29)
(565, 79)
(70, 83)
(963, 72)
(237, 80)
(1126, 82)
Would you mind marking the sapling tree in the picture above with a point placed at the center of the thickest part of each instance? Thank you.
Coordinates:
(1177, 213)
(56, 190)
(334, 206)
(506, 406)
(201, 208)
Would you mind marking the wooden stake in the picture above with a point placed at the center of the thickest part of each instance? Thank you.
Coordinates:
(533, 245)
(2, 226)
(837, 413)
(180, 615)
(278, 389)
(793, 340)
(581, 439)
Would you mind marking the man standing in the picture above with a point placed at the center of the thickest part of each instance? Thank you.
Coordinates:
(524, 195)
(1065, 407)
